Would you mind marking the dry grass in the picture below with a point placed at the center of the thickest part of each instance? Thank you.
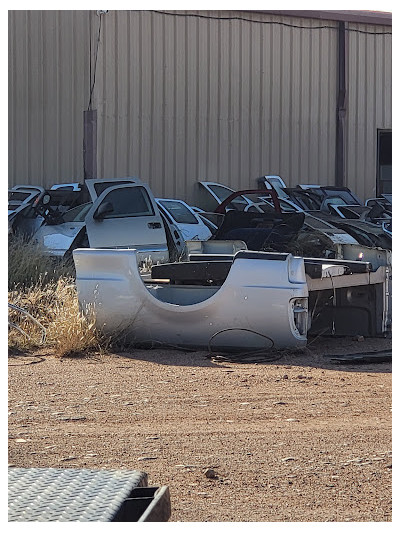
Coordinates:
(55, 306)
(44, 291)
(29, 266)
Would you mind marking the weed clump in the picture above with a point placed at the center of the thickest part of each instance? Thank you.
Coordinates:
(44, 311)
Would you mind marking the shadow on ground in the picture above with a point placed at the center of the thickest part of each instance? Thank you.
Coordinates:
(321, 352)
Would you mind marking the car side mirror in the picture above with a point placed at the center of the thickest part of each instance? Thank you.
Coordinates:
(104, 209)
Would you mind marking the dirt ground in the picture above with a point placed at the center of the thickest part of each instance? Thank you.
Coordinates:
(298, 439)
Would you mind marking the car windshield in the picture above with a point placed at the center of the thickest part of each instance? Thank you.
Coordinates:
(18, 195)
(223, 192)
(179, 212)
(78, 213)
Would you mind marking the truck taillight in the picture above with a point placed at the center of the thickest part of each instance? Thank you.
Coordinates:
(300, 314)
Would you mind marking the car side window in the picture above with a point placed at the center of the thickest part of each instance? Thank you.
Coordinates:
(129, 202)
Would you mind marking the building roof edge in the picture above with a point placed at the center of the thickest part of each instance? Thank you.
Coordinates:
(383, 18)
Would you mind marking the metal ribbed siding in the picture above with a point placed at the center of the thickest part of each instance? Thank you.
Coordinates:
(182, 99)
(48, 91)
(369, 103)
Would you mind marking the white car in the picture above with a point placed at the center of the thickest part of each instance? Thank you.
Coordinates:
(182, 215)
(123, 213)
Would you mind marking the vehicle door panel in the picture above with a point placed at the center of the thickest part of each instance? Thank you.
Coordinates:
(134, 222)
(96, 186)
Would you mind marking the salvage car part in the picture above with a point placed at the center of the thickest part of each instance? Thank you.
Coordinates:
(20, 197)
(235, 315)
(125, 216)
(249, 300)
(212, 194)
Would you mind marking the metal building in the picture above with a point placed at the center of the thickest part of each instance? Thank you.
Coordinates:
(175, 97)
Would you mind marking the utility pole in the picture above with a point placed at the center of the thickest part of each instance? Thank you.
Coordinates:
(90, 144)
(341, 108)
(90, 115)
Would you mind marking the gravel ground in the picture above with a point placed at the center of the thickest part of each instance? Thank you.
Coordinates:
(298, 439)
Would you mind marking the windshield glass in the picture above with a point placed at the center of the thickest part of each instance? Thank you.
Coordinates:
(222, 192)
(179, 212)
(78, 213)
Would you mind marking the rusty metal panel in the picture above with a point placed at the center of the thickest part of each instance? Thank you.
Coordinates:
(369, 102)
(48, 85)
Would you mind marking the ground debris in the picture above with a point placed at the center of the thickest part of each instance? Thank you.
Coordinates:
(210, 473)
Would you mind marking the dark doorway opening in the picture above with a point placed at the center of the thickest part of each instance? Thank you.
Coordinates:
(384, 163)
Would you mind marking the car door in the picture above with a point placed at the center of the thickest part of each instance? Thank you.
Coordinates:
(96, 186)
(126, 216)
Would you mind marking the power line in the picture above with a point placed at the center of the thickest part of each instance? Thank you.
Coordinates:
(95, 62)
(267, 22)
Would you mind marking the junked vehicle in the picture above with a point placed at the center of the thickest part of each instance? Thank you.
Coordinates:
(246, 301)
(210, 219)
(363, 231)
(319, 198)
(273, 228)
(271, 182)
(385, 201)
(212, 194)
(231, 294)
(178, 212)
(373, 213)
(124, 215)
(67, 186)
(226, 316)
(18, 197)
(44, 207)
(318, 224)
(33, 188)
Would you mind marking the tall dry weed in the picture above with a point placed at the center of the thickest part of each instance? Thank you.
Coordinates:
(41, 292)
(55, 306)
(29, 266)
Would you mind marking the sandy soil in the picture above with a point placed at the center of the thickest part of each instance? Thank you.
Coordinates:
(296, 439)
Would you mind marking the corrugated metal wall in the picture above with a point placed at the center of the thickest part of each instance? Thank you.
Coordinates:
(183, 98)
(369, 103)
(187, 98)
(48, 85)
